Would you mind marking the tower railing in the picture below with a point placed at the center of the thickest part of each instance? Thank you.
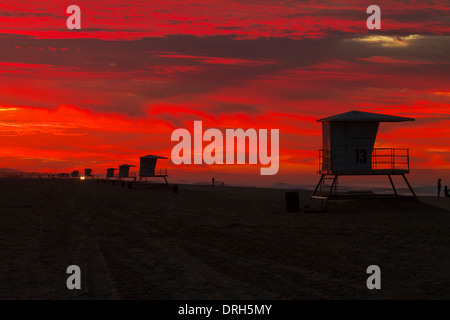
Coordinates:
(161, 172)
(390, 158)
(382, 159)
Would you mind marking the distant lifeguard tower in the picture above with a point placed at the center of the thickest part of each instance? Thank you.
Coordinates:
(148, 168)
(63, 175)
(110, 173)
(75, 174)
(88, 173)
(124, 171)
(348, 150)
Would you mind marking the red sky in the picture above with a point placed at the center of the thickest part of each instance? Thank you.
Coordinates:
(116, 89)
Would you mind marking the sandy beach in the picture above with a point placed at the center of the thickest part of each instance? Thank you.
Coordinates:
(214, 243)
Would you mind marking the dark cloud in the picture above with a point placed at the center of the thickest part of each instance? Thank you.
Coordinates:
(135, 74)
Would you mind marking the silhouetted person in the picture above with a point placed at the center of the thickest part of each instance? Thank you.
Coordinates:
(213, 181)
(439, 187)
(446, 193)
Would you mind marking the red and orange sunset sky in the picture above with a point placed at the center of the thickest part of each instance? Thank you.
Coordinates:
(137, 70)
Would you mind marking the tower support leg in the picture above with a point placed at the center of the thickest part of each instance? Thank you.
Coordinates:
(409, 186)
(392, 184)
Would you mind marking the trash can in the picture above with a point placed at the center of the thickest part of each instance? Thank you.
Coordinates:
(175, 188)
(292, 202)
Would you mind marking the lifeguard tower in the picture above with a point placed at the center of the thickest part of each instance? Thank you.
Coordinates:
(124, 172)
(88, 173)
(110, 173)
(348, 150)
(75, 174)
(147, 168)
(63, 175)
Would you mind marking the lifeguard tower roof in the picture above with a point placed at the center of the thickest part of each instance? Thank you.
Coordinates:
(152, 157)
(364, 116)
